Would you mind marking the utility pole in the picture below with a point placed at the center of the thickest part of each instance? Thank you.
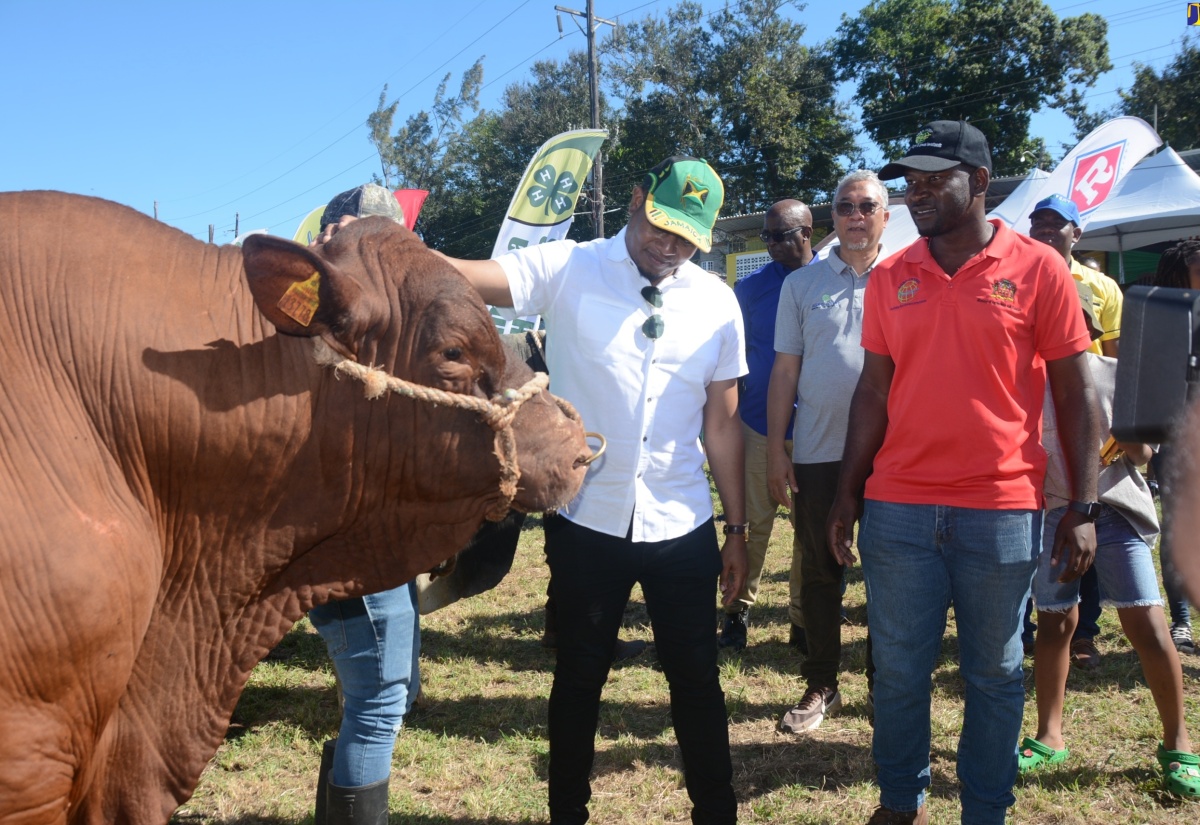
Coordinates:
(593, 23)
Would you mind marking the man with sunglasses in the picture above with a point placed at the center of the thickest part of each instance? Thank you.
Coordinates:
(944, 466)
(818, 357)
(787, 232)
(648, 347)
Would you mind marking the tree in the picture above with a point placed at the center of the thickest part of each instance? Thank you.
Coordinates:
(994, 64)
(487, 160)
(736, 88)
(1178, 106)
(415, 157)
(786, 134)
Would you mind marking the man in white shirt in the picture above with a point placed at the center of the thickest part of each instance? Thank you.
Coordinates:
(648, 347)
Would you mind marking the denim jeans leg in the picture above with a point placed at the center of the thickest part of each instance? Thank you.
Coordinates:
(1177, 602)
(821, 577)
(375, 644)
(1028, 625)
(992, 556)
(677, 581)
(1089, 606)
(908, 594)
(593, 575)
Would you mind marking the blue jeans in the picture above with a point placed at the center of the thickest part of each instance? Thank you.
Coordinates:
(1089, 610)
(917, 561)
(1089, 606)
(593, 575)
(1124, 567)
(1177, 602)
(374, 642)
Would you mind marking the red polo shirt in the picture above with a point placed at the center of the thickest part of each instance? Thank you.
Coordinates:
(965, 405)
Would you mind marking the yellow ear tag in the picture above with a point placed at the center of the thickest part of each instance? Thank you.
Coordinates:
(300, 301)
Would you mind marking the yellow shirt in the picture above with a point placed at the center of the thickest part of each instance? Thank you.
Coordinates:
(1106, 298)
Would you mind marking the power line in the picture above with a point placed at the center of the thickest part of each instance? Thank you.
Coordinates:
(362, 123)
(412, 59)
(981, 51)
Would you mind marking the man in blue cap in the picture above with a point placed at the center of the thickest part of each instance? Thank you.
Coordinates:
(1055, 221)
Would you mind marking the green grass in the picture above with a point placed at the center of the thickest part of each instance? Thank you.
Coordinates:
(475, 750)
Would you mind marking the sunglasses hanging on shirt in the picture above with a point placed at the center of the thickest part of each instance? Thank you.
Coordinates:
(653, 328)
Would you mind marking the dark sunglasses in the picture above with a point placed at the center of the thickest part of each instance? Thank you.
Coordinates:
(653, 328)
(866, 208)
(778, 237)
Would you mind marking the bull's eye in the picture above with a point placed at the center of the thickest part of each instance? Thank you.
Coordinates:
(452, 354)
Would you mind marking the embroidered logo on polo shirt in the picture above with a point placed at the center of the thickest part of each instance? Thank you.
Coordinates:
(1004, 294)
(827, 302)
(1004, 290)
(908, 291)
(907, 294)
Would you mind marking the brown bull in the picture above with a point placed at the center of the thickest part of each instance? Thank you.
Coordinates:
(180, 480)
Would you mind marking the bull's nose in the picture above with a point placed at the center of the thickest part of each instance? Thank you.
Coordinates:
(584, 461)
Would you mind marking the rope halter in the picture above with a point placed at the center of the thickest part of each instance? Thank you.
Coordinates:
(498, 412)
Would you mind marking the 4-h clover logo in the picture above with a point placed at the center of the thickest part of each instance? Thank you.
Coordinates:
(553, 192)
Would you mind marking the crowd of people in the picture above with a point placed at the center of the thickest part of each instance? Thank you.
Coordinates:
(951, 399)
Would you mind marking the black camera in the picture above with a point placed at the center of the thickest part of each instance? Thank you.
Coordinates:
(1159, 366)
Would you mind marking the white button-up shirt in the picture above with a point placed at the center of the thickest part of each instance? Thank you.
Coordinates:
(645, 396)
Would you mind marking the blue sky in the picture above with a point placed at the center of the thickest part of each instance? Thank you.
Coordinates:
(257, 107)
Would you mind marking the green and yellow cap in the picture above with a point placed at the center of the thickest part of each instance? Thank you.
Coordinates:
(683, 197)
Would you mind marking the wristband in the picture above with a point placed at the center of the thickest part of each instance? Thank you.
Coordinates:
(1089, 509)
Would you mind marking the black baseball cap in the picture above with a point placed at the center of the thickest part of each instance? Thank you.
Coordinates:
(941, 145)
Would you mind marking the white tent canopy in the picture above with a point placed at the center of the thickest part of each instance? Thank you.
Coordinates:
(1017, 206)
(901, 231)
(1159, 200)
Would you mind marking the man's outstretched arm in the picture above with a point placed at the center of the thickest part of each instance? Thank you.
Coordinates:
(486, 276)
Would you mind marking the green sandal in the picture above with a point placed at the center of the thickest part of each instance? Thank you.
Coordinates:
(1181, 772)
(1034, 755)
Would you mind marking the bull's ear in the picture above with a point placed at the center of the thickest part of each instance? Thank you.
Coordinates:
(300, 292)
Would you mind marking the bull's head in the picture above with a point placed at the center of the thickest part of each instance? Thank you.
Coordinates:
(376, 297)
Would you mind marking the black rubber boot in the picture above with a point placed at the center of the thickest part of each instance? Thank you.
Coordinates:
(319, 816)
(365, 805)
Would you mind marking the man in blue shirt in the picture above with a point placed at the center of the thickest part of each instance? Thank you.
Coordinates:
(787, 232)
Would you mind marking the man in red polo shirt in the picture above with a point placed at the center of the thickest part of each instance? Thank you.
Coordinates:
(944, 464)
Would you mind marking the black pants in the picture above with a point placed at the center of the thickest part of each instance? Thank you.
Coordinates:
(593, 576)
(821, 575)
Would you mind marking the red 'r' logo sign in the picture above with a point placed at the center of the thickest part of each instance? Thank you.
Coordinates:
(1095, 175)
